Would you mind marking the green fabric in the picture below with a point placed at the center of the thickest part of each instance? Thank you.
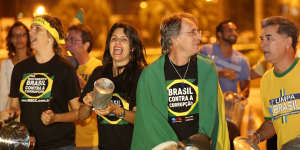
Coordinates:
(288, 70)
(151, 121)
(79, 16)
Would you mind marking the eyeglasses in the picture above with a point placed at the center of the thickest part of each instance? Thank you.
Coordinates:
(194, 32)
(19, 35)
(72, 40)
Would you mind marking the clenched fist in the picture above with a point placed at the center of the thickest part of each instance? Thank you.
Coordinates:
(48, 117)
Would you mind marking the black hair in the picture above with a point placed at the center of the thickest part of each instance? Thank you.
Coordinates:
(137, 59)
(136, 55)
(220, 27)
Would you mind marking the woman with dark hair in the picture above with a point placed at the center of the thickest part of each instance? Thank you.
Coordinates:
(43, 86)
(123, 61)
(18, 45)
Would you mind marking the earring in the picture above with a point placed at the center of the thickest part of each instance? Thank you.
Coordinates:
(49, 40)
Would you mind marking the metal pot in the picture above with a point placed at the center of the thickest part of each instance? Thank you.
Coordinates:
(102, 94)
(14, 136)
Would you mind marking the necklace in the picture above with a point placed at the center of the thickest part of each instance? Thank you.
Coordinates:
(187, 68)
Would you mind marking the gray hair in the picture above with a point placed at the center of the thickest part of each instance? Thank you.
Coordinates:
(286, 27)
(171, 26)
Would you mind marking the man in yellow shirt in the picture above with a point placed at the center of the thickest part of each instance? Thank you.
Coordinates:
(80, 42)
(280, 88)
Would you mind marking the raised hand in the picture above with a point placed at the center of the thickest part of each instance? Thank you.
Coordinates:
(110, 109)
(228, 73)
(88, 99)
(6, 115)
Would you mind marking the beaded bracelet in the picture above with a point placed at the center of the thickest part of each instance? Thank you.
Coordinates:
(258, 136)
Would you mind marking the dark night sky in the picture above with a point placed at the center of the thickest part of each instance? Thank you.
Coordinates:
(10, 8)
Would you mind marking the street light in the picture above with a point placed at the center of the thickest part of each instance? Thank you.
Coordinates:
(40, 10)
(143, 4)
(211, 1)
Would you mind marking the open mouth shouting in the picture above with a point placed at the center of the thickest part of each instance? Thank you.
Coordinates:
(117, 50)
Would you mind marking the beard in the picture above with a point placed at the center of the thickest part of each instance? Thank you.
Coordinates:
(230, 39)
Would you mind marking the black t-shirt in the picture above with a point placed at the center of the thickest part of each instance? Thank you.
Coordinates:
(183, 113)
(115, 133)
(45, 86)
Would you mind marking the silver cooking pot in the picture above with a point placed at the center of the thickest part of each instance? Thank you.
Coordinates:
(14, 136)
(102, 94)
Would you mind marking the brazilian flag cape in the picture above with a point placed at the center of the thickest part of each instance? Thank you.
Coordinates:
(151, 125)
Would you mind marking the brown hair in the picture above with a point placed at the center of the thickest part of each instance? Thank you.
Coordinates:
(86, 34)
(11, 48)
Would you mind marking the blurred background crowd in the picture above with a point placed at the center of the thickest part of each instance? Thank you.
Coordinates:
(146, 16)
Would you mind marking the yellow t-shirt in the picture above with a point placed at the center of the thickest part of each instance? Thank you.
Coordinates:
(87, 130)
(87, 69)
(281, 102)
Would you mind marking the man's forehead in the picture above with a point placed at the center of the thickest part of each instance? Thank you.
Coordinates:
(270, 30)
(74, 32)
(188, 23)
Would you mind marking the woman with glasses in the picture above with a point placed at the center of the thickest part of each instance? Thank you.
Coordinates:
(123, 62)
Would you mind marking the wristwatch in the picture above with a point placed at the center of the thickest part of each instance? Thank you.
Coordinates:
(258, 136)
